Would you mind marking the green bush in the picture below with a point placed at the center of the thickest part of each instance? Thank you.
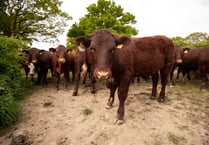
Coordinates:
(9, 110)
(11, 81)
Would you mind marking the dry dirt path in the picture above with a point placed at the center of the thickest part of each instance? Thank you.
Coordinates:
(53, 117)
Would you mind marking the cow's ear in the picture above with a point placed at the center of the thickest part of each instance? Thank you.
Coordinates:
(83, 40)
(41, 52)
(122, 40)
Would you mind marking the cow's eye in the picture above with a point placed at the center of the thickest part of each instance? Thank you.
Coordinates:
(92, 49)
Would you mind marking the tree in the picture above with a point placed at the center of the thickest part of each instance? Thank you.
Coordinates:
(193, 40)
(28, 20)
(104, 14)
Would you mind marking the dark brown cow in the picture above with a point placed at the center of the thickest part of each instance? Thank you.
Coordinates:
(84, 65)
(197, 59)
(62, 61)
(138, 57)
(180, 66)
(42, 61)
(178, 56)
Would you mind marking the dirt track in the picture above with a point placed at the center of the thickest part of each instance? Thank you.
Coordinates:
(53, 117)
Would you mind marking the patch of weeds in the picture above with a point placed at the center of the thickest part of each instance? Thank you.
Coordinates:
(87, 111)
(175, 139)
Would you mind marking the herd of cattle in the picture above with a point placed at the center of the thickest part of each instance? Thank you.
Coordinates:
(98, 56)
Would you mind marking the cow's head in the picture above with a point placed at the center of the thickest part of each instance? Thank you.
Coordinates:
(102, 45)
(61, 52)
(178, 54)
(33, 55)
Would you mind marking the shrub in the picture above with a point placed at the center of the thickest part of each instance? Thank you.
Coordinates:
(11, 81)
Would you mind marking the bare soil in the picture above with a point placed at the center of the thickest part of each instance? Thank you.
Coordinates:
(53, 117)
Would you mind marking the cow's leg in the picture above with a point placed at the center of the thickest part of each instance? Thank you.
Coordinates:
(39, 77)
(112, 86)
(93, 80)
(44, 76)
(58, 81)
(171, 76)
(164, 74)
(66, 76)
(203, 76)
(155, 78)
(122, 95)
(76, 83)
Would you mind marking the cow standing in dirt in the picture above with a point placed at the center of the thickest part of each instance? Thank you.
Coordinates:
(178, 56)
(42, 61)
(63, 62)
(197, 59)
(138, 57)
(83, 64)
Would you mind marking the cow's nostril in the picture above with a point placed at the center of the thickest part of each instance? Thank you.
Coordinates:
(179, 61)
(102, 75)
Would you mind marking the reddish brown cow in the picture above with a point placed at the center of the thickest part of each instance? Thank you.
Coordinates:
(84, 65)
(180, 66)
(178, 56)
(62, 63)
(42, 61)
(197, 59)
(138, 57)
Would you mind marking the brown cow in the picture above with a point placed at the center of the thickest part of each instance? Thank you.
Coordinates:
(178, 56)
(84, 65)
(62, 63)
(138, 57)
(42, 61)
(197, 59)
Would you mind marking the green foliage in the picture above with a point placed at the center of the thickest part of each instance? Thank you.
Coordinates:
(193, 40)
(11, 82)
(28, 20)
(9, 110)
(104, 14)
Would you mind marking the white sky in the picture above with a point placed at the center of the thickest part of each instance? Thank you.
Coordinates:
(154, 17)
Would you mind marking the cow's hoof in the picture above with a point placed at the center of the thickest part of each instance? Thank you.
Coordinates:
(119, 122)
(75, 93)
(161, 100)
(152, 97)
(108, 106)
(93, 92)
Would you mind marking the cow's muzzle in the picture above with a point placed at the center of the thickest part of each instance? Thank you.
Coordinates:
(102, 74)
(34, 61)
(61, 60)
(179, 61)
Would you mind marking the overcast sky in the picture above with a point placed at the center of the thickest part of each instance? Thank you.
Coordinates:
(154, 17)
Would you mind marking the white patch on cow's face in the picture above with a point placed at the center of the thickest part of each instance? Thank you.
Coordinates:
(31, 69)
(81, 48)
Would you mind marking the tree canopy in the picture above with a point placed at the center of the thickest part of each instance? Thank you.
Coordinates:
(193, 40)
(40, 20)
(103, 14)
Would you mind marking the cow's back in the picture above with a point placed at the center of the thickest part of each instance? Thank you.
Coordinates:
(151, 54)
(196, 57)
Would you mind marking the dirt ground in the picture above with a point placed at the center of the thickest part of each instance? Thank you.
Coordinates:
(53, 117)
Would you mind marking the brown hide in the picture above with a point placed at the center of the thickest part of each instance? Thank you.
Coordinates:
(197, 59)
(61, 61)
(138, 57)
(84, 65)
(42, 61)
(178, 56)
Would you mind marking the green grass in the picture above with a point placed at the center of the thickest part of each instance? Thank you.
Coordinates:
(87, 111)
(175, 138)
